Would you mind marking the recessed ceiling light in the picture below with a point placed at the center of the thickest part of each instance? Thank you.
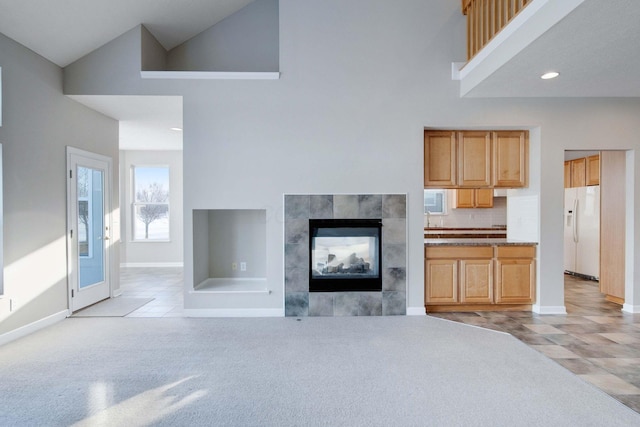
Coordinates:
(177, 129)
(550, 75)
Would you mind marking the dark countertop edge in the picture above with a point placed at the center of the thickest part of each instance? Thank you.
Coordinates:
(476, 242)
(466, 236)
(465, 229)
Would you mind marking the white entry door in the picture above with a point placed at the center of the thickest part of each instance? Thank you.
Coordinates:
(88, 227)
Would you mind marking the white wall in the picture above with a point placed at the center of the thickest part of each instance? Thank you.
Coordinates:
(152, 253)
(360, 81)
(245, 41)
(38, 123)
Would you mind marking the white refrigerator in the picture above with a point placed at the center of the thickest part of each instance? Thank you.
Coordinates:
(582, 231)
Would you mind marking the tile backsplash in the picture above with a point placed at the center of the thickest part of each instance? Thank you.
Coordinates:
(471, 218)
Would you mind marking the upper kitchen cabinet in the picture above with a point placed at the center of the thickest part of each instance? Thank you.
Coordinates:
(593, 170)
(582, 172)
(439, 159)
(510, 159)
(474, 159)
(579, 172)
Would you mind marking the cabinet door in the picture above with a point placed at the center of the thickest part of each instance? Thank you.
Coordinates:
(593, 170)
(465, 198)
(567, 174)
(484, 198)
(578, 172)
(510, 159)
(474, 159)
(439, 159)
(476, 281)
(441, 281)
(515, 281)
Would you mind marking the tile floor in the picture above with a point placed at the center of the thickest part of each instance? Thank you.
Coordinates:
(164, 285)
(595, 340)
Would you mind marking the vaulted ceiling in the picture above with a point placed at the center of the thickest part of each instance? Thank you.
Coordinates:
(595, 46)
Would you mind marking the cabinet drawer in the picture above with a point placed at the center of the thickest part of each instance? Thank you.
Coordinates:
(515, 251)
(458, 252)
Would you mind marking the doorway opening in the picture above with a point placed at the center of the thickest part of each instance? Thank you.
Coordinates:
(594, 237)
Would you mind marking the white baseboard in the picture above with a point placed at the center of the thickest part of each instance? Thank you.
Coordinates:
(33, 327)
(416, 311)
(549, 309)
(628, 308)
(233, 312)
(151, 264)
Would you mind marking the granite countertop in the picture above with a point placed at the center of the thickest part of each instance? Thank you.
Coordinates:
(476, 242)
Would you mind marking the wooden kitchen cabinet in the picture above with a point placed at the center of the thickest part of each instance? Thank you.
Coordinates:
(440, 159)
(476, 281)
(473, 198)
(442, 276)
(458, 274)
(578, 172)
(593, 170)
(515, 275)
(474, 159)
(582, 172)
(477, 278)
(510, 159)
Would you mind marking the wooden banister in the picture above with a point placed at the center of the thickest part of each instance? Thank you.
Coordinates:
(485, 19)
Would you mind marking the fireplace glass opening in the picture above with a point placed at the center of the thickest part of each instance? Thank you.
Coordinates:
(345, 255)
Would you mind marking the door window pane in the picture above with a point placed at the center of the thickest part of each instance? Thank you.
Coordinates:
(90, 226)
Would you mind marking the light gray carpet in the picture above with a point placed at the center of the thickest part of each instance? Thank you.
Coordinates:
(113, 307)
(340, 371)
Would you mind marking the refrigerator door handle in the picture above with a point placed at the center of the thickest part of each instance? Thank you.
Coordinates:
(575, 220)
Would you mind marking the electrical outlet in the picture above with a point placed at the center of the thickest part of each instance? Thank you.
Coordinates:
(234, 266)
(243, 266)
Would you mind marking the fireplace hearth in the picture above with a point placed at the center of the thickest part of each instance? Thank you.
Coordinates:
(345, 255)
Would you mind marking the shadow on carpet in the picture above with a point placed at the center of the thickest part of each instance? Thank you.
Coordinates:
(113, 307)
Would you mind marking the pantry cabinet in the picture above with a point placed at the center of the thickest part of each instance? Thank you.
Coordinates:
(476, 159)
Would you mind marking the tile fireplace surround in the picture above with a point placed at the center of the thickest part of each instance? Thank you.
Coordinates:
(391, 208)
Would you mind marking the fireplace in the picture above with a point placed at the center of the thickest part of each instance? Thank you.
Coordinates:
(345, 255)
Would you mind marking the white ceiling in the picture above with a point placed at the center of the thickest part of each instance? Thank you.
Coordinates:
(596, 49)
(64, 31)
(145, 121)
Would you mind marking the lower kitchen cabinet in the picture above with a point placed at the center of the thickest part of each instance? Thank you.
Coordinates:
(515, 274)
(477, 278)
(443, 276)
(476, 281)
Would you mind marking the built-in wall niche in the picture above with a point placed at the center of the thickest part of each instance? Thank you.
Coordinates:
(229, 250)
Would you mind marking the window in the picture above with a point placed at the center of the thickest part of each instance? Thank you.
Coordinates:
(435, 202)
(150, 210)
